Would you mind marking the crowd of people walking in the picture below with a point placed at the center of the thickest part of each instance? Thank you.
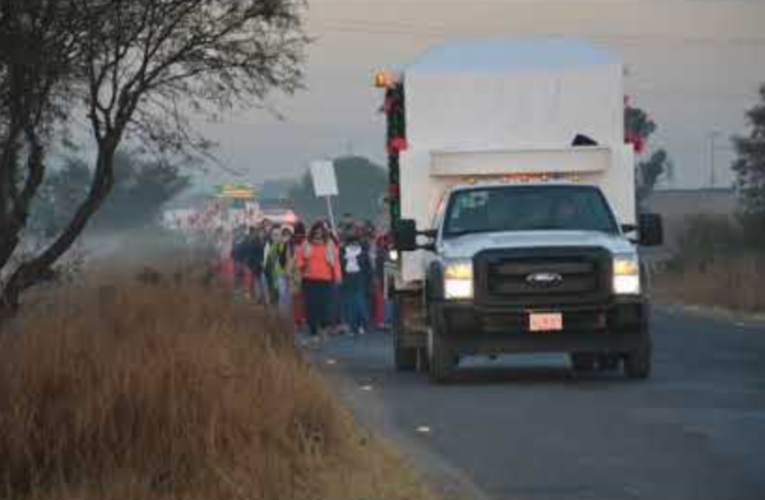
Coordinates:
(329, 281)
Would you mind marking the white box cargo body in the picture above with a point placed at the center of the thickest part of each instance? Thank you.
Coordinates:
(489, 108)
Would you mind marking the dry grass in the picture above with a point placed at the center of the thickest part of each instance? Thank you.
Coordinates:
(719, 263)
(733, 282)
(169, 390)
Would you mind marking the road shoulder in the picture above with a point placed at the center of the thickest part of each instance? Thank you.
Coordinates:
(714, 313)
(372, 415)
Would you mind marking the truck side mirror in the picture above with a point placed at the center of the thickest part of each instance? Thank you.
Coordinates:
(651, 230)
(629, 228)
(405, 235)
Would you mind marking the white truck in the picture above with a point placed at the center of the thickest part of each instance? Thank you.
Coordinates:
(513, 208)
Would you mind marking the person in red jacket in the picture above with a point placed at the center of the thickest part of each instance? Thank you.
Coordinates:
(319, 263)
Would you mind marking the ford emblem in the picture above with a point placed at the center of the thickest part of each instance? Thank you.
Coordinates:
(544, 280)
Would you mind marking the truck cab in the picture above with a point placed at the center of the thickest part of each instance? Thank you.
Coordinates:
(513, 207)
(534, 267)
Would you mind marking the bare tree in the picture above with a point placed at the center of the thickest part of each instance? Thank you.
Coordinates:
(139, 69)
(38, 38)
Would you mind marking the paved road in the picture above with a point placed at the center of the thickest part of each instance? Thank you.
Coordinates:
(527, 428)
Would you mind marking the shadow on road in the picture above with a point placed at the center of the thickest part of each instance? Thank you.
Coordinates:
(531, 375)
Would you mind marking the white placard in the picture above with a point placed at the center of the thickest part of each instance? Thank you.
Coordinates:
(324, 179)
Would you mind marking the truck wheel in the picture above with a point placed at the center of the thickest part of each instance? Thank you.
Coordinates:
(405, 358)
(442, 361)
(638, 363)
(582, 361)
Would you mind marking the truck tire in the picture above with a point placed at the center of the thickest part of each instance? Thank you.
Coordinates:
(639, 363)
(582, 361)
(404, 358)
(442, 361)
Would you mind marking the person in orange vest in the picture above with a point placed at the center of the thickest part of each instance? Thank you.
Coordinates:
(319, 263)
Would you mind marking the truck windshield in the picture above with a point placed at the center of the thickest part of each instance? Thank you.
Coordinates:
(528, 208)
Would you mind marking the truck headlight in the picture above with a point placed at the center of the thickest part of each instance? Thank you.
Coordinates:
(627, 275)
(458, 280)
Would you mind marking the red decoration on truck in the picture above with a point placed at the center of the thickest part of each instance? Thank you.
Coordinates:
(388, 104)
(397, 145)
(636, 140)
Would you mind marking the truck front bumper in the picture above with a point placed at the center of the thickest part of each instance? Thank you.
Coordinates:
(614, 327)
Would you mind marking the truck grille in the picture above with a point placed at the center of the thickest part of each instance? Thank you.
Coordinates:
(565, 276)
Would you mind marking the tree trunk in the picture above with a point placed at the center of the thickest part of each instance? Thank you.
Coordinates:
(8, 159)
(39, 268)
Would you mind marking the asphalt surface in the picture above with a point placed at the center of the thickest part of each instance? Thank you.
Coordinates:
(528, 428)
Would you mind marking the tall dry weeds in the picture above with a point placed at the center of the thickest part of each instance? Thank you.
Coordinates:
(734, 282)
(719, 263)
(161, 391)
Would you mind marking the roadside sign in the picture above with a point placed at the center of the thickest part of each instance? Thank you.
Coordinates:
(324, 179)
(236, 191)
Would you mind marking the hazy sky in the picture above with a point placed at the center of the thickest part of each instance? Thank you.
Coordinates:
(694, 65)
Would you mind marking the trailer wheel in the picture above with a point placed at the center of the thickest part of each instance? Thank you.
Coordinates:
(639, 363)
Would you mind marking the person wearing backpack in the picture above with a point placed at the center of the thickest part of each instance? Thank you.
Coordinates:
(357, 279)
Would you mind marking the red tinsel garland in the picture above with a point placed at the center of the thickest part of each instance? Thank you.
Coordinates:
(397, 144)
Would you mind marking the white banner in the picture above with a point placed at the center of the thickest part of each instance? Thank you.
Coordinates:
(324, 179)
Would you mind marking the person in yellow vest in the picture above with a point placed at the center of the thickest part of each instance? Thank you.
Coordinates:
(278, 265)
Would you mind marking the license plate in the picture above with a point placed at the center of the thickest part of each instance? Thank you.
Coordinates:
(545, 322)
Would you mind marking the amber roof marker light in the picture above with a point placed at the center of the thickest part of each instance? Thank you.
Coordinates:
(385, 79)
